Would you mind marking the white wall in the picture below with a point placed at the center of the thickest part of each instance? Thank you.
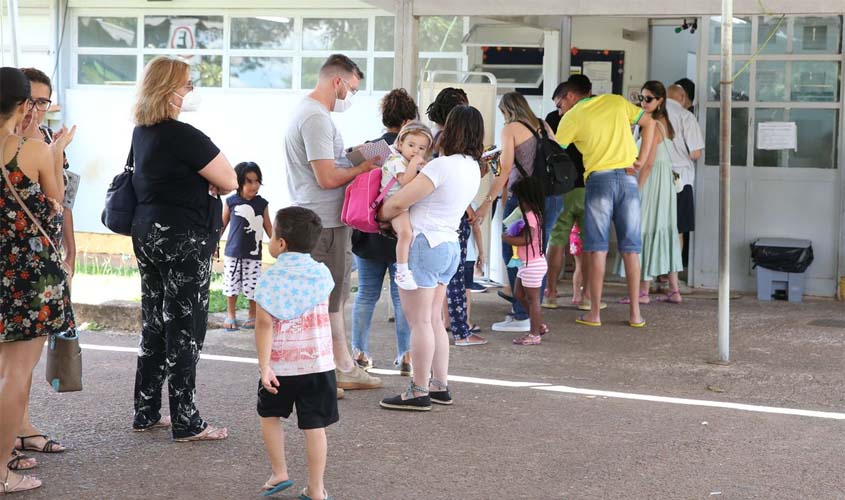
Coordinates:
(598, 33)
(34, 39)
(247, 126)
(669, 53)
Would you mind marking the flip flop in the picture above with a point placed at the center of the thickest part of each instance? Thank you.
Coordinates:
(230, 325)
(637, 325)
(586, 306)
(249, 324)
(474, 329)
(49, 447)
(270, 489)
(581, 321)
(304, 496)
(205, 435)
(20, 461)
(163, 423)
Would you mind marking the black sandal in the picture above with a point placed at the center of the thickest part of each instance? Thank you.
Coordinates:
(49, 446)
(18, 457)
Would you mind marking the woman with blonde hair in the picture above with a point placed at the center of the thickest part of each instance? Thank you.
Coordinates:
(179, 177)
(519, 147)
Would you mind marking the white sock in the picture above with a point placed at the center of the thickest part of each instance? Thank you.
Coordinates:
(402, 268)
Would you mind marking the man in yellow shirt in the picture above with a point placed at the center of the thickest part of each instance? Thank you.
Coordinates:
(600, 127)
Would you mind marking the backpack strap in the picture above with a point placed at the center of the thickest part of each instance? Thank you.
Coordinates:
(537, 137)
(383, 193)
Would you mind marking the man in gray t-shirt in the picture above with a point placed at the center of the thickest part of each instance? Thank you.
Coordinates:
(317, 175)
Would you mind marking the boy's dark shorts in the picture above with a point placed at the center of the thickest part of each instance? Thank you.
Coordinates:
(315, 397)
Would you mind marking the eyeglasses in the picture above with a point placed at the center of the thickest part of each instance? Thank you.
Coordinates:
(647, 99)
(349, 85)
(41, 104)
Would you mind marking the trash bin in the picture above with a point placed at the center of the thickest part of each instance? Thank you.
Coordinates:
(781, 264)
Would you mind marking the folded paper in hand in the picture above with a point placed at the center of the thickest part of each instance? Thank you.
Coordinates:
(369, 151)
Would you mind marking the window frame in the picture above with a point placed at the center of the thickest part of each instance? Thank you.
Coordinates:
(752, 104)
(297, 53)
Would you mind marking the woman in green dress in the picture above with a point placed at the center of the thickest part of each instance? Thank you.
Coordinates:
(661, 253)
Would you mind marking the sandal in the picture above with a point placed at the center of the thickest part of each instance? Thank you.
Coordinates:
(163, 423)
(471, 340)
(474, 328)
(209, 434)
(527, 339)
(271, 489)
(50, 446)
(304, 495)
(249, 324)
(627, 300)
(668, 297)
(230, 325)
(544, 329)
(23, 483)
(20, 461)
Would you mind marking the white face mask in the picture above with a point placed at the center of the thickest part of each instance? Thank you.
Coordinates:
(341, 105)
(190, 101)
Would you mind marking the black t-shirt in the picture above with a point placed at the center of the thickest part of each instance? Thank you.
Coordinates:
(553, 119)
(168, 156)
(372, 246)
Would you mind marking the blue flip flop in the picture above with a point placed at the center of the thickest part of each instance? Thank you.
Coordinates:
(277, 488)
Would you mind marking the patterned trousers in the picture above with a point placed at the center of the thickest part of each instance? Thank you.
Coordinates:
(175, 267)
(456, 296)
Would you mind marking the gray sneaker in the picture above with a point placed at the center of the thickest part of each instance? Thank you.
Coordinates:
(356, 379)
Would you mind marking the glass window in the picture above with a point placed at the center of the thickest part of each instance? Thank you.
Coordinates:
(206, 71)
(108, 32)
(740, 87)
(432, 64)
(311, 69)
(765, 157)
(441, 34)
(334, 34)
(383, 74)
(777, 44)
(384, 34)
(771, 81)
(262, 33)
(817, 35)
(261, 72)
(817, 138)
(107, 69)
(741, 35)
(816, 81)
(183, 32)
(739, 137)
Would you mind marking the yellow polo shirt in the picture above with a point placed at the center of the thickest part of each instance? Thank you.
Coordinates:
(600, 127)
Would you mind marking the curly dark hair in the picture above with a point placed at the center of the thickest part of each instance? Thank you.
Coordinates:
(463, 133)
(397, 107)
(443, 104)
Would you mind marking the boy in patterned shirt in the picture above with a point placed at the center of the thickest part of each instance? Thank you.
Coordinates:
(293, 340)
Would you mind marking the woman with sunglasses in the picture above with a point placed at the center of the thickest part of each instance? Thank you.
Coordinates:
(661, 252)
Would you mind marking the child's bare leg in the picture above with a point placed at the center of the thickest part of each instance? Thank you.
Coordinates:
(404, 236)
(577, 280)
(231, 304)
(274, 443)
(532, 305)
(316, 449)
(251, 309)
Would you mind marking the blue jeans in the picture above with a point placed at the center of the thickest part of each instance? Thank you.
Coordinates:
(612, 196)
(370, 282)
(553, 208)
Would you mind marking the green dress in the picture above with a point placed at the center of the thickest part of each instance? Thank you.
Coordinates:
(661, 250)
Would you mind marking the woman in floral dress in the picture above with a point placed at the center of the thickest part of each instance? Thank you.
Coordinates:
(34, 298)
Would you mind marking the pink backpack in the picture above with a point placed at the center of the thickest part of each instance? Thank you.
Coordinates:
(362, 201)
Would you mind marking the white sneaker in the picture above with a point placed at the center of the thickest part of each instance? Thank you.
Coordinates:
(512, 325)
(405, 280)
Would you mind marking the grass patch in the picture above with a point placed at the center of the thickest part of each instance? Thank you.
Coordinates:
(217, 302)
(104, 265)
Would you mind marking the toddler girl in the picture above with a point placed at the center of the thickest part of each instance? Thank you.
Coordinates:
(527, 236)
(409, 154)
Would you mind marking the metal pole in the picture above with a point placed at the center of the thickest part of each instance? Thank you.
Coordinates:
(13, 23)
(725, 183)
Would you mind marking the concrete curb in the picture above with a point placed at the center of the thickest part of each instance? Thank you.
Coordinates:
(124, 316)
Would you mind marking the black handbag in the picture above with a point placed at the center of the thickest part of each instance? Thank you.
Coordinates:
(121, 200)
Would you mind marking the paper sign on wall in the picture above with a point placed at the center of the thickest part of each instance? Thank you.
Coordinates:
(777, 135)
(600, 74)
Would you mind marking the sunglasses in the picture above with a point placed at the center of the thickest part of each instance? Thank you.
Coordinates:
(648, 99)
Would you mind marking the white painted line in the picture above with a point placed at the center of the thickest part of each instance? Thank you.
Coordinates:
(694, 402)
(550, 388)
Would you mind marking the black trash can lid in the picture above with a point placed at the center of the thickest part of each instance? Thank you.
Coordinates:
(783, 243)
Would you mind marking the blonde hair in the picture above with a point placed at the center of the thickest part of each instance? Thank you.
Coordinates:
(515, 109)
(417, 128)
(162, 76)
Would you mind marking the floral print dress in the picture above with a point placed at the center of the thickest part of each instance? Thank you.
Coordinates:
(34, 297)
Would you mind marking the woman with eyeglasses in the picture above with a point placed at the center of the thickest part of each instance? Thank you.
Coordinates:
(179, 175)
(661, 251)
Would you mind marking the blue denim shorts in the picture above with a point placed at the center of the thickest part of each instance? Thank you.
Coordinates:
(612, 196)
(433, 266)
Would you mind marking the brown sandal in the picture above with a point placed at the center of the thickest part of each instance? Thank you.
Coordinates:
(51, 446)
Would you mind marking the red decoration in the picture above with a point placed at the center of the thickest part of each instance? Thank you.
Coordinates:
(574, 51)
(606, 52)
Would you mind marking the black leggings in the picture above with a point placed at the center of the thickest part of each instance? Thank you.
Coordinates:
(175, 266)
